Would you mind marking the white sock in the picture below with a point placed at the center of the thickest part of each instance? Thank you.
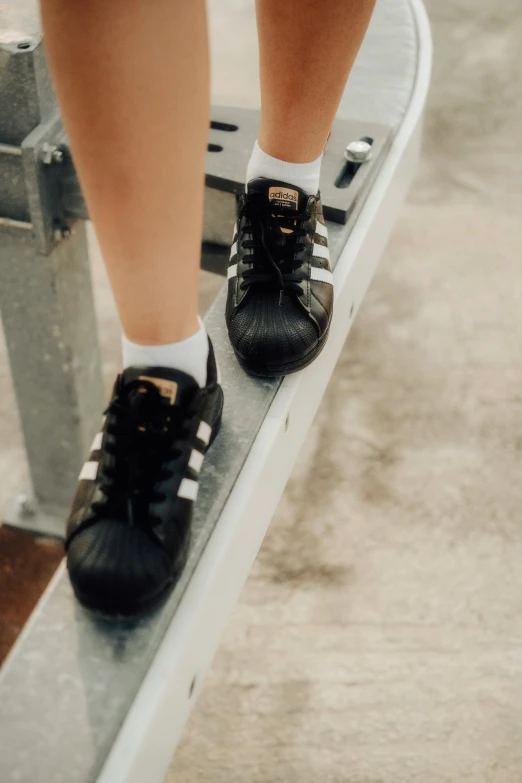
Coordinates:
(304, 175)
(188, 355)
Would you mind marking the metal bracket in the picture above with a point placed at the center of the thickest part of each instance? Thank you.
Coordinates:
(343, 183)
(353, 156)
(30, 185)
(43, 158)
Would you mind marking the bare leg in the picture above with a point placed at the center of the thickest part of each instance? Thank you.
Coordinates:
(280, 295)
(132, 80)
(307, 50)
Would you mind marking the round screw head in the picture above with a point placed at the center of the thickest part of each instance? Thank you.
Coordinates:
(358, 151)
(26, 506)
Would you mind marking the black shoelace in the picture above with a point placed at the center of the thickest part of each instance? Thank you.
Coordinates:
(273, 251)
(143, 432)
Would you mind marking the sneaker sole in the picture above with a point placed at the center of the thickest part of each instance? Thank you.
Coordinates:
(143, 607)
(276, 371)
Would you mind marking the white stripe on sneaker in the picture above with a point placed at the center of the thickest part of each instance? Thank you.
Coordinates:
(321, 229)
(204, 432)
(232, 271)
(188, 489)
(89, 471)
(97, 442)
(319, 251)
(322, 275)
(233, 250)
(196, 460)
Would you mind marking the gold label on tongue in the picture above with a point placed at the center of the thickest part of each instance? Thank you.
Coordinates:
(283, 197)
(167, 389)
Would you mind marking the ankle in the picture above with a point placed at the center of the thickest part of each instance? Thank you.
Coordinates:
(289, 148)
(303, 175)
(157, 334)
(189, 355)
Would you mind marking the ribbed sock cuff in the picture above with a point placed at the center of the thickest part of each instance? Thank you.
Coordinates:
(303, 175)
(189, 355)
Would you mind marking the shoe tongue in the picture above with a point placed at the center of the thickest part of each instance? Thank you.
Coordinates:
(283, 197)
(174, 386)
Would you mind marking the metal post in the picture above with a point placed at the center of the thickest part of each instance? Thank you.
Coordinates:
(46, 301)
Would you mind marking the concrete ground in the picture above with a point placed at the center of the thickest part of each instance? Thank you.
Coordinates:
(379, 637)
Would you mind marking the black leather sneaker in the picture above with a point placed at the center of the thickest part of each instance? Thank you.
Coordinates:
(128, 531)
(280, 285)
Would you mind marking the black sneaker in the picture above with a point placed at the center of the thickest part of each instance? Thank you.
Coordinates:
(280, 285)
(128, 531)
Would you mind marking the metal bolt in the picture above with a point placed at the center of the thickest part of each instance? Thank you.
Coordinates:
(51, 153)
(358, 151)
(61, 232)
(26, 506)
